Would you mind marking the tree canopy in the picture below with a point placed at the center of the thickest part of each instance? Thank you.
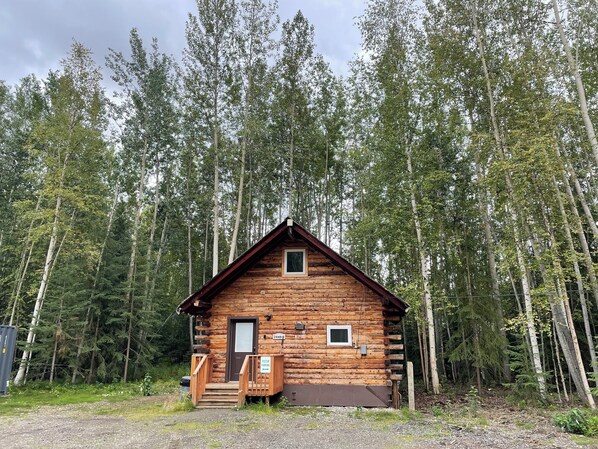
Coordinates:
(455, 164)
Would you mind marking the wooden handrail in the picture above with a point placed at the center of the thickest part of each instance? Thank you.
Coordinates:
(201, 373)
(253, 382)
(243, 381)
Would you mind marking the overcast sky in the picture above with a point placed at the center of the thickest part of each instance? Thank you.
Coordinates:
(36, 34)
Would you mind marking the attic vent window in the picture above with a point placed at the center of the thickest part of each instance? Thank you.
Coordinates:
(294, 261)
(338, 335)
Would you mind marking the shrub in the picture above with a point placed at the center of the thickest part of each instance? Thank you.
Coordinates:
(179, 406)
(592, 426)
(146, 385)
(283, 402)
(575, 421)
(437, 410)
(473, 402)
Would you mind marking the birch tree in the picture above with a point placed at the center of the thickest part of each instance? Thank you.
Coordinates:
(210, 80)
(579, 85)
(71, 137)
(297, 46)
(258, 22)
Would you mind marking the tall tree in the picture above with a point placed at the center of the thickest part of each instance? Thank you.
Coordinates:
(258, 22)
(297, 44)
(69, 145)
(579, 85)
(389, 34)
(210, 80)
(149, 126)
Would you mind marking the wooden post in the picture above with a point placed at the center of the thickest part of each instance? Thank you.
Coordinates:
(193, 379)
(395, 394)
(410, 388)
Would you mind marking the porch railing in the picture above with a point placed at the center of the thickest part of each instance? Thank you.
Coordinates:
(259, 378)
(201, 374)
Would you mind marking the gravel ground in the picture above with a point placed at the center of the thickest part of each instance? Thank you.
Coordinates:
(148, 423)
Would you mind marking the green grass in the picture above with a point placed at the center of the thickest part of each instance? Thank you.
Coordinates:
(482, 421)
(168, 371)
(146, 410)
(262, 408)
(312, 411)
(585, 441)
(36, 394)
(206, 427)
(525, 425)
(385, 416)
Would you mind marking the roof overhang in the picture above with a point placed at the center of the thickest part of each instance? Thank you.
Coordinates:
(194, 303)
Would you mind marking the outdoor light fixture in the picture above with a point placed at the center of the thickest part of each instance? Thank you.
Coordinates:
(268, 316)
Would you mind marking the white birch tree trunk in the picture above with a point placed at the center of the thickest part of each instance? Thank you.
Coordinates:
(190, 280)
(41, 294)
(580, 284)
(156, 268)
(583, 242)
(23, 266)
(424, 263)
(148, 255)
(574, 72)
(233, 243)
(533, 339)
(216, 209)
(130, 294)
(584, 205)
(529, 314)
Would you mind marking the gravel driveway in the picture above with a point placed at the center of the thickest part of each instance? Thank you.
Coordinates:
(147, 423)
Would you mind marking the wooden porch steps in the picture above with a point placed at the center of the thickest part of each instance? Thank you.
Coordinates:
(224, 395)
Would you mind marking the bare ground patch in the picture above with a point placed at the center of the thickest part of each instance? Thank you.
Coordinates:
(152, 423)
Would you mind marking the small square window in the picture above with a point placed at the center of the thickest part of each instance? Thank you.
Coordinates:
(294, 261)
(338, 335)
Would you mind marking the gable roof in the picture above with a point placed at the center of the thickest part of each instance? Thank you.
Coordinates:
(234, 270)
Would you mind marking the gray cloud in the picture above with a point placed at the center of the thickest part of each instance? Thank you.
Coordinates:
(36, 34)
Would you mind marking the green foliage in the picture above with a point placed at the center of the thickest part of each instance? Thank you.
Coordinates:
(525, 385)
(437, 411)
(180, 406)
(146, 386)
(282, 402)
(385, 416)
(578, 421)
(592, 426)
(169, 371)
(502, 178)
(35, 394)
(261, 407)
(573, 421)
(473, 402)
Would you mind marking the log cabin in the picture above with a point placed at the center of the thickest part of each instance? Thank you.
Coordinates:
(292, 316)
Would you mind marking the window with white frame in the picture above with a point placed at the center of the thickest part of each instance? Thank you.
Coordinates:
(295, 261)
(338, 335)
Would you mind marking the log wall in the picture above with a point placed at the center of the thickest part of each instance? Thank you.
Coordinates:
(326, 296)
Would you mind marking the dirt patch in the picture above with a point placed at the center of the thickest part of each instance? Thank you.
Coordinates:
(148, 423)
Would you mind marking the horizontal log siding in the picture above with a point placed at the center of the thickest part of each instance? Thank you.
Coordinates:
(326, 296)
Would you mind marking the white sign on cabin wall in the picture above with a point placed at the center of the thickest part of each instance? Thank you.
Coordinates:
(278, 337)
(265, 364)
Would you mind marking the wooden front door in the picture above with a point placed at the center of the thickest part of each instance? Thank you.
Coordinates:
(242, 341)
